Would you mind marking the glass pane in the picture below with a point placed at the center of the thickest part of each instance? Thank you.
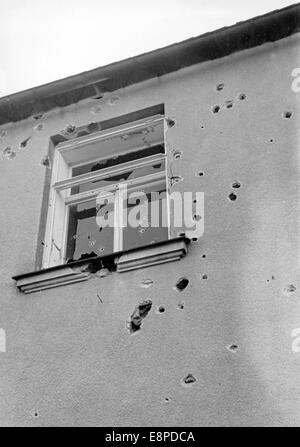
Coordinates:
(113, 161)
(85, 237)
(127, 175)
(149, 216)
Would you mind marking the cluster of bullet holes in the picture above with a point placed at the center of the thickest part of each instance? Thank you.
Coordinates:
(289, 290)
(233, 196)
(272, 278)
(229, 103)
(232, 348)
(139, 313)
(188, 380)
(287, 114)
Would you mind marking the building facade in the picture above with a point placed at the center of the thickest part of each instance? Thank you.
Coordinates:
(122, 336)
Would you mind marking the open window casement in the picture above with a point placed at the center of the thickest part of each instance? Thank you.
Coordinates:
(101, 176)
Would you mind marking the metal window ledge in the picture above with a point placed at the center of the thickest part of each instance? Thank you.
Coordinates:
(82, 270)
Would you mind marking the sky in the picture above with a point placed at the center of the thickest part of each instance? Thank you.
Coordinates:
(45, 40)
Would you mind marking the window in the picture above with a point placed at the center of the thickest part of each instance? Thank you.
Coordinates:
(107, 177)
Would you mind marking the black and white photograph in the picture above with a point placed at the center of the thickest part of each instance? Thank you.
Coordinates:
(150, 216)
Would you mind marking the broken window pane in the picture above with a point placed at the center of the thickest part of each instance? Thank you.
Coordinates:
(149, 212)
(85, 237)
(120, 177)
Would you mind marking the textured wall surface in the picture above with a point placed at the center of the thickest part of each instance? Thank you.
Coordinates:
(70, 359)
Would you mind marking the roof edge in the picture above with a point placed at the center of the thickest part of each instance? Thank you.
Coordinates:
(254, 32)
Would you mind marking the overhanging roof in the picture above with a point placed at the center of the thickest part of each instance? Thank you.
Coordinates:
(270, 27)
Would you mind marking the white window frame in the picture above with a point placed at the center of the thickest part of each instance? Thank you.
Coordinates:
(61, 182)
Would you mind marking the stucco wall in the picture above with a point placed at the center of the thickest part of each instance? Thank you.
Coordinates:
(70, 359)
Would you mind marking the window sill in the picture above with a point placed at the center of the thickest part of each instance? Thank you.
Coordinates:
(82, 270)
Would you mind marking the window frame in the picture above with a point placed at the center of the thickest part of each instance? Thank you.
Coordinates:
(62, 181)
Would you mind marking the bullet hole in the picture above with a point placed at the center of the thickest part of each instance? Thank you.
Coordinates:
(233, 348)
(170, 122)
(69, 130)
(289, 290)
(197, 217)
(36, 414)
(204, 277)
(203, 256)
(215, 109)
(96, 109)
(232, 196)
(271, 141)
(42, 243)
(142, 230)
(140, 312)
(98, 97)
(157, 166)
(287, 114)
(202, 127)
(181, 234)
(38, 116)
(101, 249)
(45, 161)
(9, 153)
(242, 96)
(236, 185)
(200, 174)
(220, 87)
(113, 100)
(272, 277)
(167, 400)
(228, 104)
(175, 179)
(180, 306)
(194, 239)
(93, 127)
(188, 380)
(3, 134)
(177, 155)
(24, 143)
(146, 283)
(161, 309)
(181, 284)
(38, 127)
